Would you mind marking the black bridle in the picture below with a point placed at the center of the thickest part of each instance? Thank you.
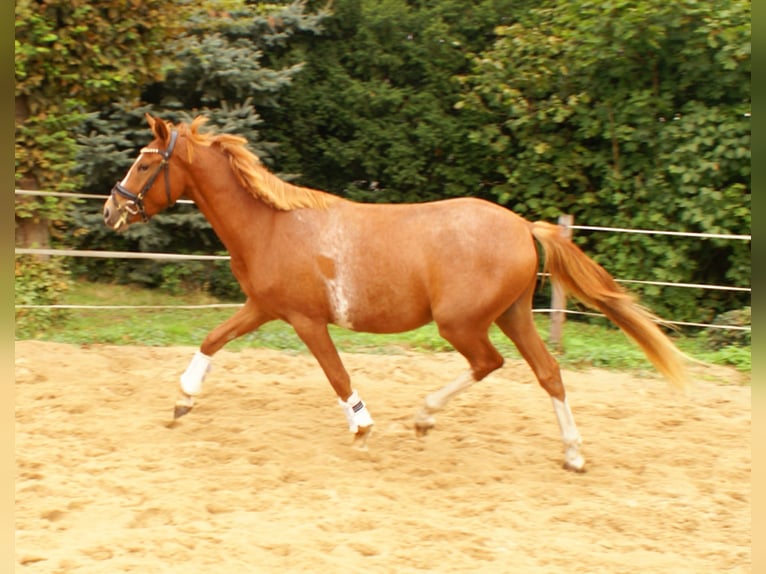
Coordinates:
(135, 203)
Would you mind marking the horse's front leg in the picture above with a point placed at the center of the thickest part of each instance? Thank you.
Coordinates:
(245, 320)
(317, 338)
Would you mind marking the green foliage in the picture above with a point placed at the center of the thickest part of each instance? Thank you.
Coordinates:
(718, 338)
(38, 282)
(736, 356)
(372, 116)
(71, 56)
(633, 113)
(44, 150)
(222, 282)
(223, 56)
(91, 51)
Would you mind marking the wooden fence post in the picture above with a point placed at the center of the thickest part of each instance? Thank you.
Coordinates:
(558, 298)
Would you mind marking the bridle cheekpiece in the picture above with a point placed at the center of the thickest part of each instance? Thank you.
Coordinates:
(135, 203)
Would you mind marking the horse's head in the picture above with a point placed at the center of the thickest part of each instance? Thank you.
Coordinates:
(150, 186)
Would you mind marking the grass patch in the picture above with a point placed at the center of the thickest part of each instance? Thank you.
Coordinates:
(586, 344)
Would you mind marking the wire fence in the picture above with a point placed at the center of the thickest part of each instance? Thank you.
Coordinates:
(184, 257)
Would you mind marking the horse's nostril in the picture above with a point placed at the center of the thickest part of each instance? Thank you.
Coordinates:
(107, 214)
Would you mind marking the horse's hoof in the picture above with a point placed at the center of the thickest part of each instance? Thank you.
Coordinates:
(421, 428)
(184, 404)
(574, 468)
(361, 436)
(424, 422)
(181, 410)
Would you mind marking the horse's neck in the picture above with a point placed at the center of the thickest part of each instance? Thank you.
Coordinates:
(234, 213)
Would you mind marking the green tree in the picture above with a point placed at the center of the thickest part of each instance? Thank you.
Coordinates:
(628, 113)
(372, 115)
(72, 56)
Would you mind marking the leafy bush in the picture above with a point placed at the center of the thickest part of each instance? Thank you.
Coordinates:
(223, 284)
(738, 357)
(719, 338)
(38, 282)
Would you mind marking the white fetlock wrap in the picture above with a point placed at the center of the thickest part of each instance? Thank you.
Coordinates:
(192, 377)
(570, 436)
(356, 412)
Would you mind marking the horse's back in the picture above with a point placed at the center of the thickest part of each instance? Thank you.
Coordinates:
(460, 233)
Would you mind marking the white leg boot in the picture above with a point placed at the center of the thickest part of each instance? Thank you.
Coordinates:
(191, 383)
(356, 413)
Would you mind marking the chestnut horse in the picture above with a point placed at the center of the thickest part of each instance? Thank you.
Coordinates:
(310, 258)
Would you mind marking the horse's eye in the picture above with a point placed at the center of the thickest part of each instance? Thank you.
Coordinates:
(143, 167)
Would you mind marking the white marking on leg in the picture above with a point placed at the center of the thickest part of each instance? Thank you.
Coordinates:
(192, 377)
(437, 400)
(570, 436)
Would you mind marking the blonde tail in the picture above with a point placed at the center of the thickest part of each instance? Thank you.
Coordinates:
(592, 285)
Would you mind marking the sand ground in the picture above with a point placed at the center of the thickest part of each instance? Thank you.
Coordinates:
(260, 477)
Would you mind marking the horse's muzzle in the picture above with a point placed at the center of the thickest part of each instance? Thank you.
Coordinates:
(116, 216)
(107, 213)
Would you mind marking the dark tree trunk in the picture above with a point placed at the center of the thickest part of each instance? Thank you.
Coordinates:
(30, 231)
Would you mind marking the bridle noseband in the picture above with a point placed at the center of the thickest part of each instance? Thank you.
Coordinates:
(135, 203)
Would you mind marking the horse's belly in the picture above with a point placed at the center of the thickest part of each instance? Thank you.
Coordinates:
(391, 308)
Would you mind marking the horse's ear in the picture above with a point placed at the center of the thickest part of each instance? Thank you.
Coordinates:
(159, 127)
(151, 120)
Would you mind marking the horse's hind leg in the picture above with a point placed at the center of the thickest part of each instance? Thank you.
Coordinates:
(518, 325)
(483, 358)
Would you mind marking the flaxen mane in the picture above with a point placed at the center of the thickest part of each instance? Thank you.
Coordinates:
(252, 174)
